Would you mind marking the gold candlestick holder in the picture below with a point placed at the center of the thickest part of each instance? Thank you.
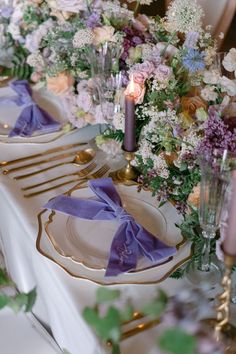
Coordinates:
(128, 172)
(224, 330)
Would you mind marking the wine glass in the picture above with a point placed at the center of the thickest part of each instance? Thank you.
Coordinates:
(108, 79)
(214, 182)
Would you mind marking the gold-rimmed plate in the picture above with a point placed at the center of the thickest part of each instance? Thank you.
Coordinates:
(146, 273)
(10, 112)
(89, 241)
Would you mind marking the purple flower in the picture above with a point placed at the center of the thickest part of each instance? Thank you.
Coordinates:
(6, 11)
(217, 136)
(191, 39)
(194, 60)
(93, 20)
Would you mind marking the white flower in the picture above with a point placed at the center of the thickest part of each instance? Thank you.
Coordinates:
(209, 94)
(111, 147)
(15, 32)
(74, 6)
(228, 85)
(119, 121)
(229, 61)
(36, 61)
(184, 16)
(33, 40)
(160, 166)
(82, 37)
(211, 77)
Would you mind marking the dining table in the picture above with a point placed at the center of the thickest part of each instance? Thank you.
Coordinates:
(61, 294)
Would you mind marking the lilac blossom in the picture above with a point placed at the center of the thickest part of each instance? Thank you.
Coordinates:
(93, 20)
(217, 136)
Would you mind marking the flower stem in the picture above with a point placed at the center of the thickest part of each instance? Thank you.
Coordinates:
(136, 8)
(206, 261)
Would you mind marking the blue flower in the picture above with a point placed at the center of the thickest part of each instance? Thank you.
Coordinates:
(194, 60)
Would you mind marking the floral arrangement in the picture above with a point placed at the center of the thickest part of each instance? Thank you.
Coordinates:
(180, 332)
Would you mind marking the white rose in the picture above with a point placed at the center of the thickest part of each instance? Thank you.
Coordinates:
(209, 94)
(229, 61)
(211, 77)
(228, 85)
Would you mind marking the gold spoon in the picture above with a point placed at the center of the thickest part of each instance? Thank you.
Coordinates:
(82, 157)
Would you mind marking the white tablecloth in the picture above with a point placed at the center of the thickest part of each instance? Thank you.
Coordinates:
(61, 298)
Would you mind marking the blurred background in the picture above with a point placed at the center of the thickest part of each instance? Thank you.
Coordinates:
(158, 7)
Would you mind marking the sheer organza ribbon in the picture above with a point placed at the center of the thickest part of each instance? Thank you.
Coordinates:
(131, 241)
(32, 117)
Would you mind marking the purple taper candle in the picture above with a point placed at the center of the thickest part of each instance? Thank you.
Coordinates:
(229, 244)
(130, 138)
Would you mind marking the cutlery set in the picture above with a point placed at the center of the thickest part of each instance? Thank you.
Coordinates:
(79, 158)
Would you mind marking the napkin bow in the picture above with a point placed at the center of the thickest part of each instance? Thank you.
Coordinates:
(32, 116)
(131, 240)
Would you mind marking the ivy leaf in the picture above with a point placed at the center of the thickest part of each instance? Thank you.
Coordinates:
(156, 307)
(21, 301)
(107, 327)
(127, 313)
(176, 341)
(4, 280)
(105, 295)
(90, 316)
(4, 299)
(31, 298)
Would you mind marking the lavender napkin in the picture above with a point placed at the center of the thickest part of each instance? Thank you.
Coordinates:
(131, 240)
(32, 117)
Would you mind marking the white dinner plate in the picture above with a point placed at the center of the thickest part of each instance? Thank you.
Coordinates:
(89, 241)
(76, 262)
(9, 112)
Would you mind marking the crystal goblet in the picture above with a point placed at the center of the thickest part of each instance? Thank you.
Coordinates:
(214, 182)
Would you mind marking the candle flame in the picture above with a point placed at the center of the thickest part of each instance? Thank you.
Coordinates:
(130, 90)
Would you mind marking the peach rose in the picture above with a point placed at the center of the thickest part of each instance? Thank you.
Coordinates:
(194, 196)
(103, 34)
(59, 84)
(138, 94)
(141, 23)
(191, 104)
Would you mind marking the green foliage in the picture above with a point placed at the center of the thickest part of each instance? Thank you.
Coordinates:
(4, 279)
(104, 295)
(107, 327)
(19, 68)
(157, 306)
(176, 341)
(21, 301)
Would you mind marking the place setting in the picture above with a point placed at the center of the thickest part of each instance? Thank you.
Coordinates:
(118, 173)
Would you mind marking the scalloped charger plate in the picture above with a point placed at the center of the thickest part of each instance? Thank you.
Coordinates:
(9, 112)
(81, 247)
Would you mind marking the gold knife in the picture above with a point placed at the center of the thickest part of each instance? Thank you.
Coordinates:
(32, 164)
(46, 152)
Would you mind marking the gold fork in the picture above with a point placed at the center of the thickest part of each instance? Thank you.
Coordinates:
(82, 173)
(98, 174)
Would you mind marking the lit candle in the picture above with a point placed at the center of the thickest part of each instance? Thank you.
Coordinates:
(130, 138)
(229, 244)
